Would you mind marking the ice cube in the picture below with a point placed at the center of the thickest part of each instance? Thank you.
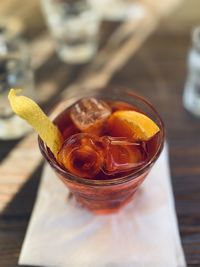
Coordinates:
(89, 115)
(82, 155)
(122, 155)
(87, 155)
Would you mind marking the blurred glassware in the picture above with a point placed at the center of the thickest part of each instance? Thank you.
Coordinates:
(118, 9)
(191, 95)
(15, 71)
(75, 27)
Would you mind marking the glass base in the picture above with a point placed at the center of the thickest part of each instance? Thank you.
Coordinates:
(77, 54)
(114, 206)
(13, 128)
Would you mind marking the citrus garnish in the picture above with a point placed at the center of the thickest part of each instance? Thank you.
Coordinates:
(132, 124)
(28, 110)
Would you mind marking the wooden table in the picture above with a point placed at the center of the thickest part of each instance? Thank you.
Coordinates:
(157, 71)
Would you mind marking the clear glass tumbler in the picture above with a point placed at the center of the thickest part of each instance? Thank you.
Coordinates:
(191, 95)
(15, 72)
(106, 196)
(75, 27)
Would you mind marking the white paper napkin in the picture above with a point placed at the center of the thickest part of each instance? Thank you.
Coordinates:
(142, 234)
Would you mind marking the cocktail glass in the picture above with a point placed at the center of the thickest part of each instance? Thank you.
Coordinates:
(106, 196)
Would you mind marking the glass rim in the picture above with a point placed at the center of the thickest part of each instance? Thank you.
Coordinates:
(114, 181)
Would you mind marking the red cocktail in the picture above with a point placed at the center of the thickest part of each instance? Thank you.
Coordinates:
(101, 161)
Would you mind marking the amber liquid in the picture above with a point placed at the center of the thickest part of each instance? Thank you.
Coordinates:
(105, 192)
(144, 151)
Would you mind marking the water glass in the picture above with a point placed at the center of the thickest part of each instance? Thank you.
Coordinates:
(191, 96)
(75, 27)
(15, 72)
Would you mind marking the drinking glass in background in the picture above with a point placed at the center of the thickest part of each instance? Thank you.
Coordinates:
(75, 27)
(191, 96)
(118, 9)
(15, 71)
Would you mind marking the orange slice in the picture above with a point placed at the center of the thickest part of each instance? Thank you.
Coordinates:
(132, 124)
(28, 110)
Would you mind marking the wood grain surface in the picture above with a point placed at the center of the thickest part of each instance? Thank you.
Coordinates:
(156, 70)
